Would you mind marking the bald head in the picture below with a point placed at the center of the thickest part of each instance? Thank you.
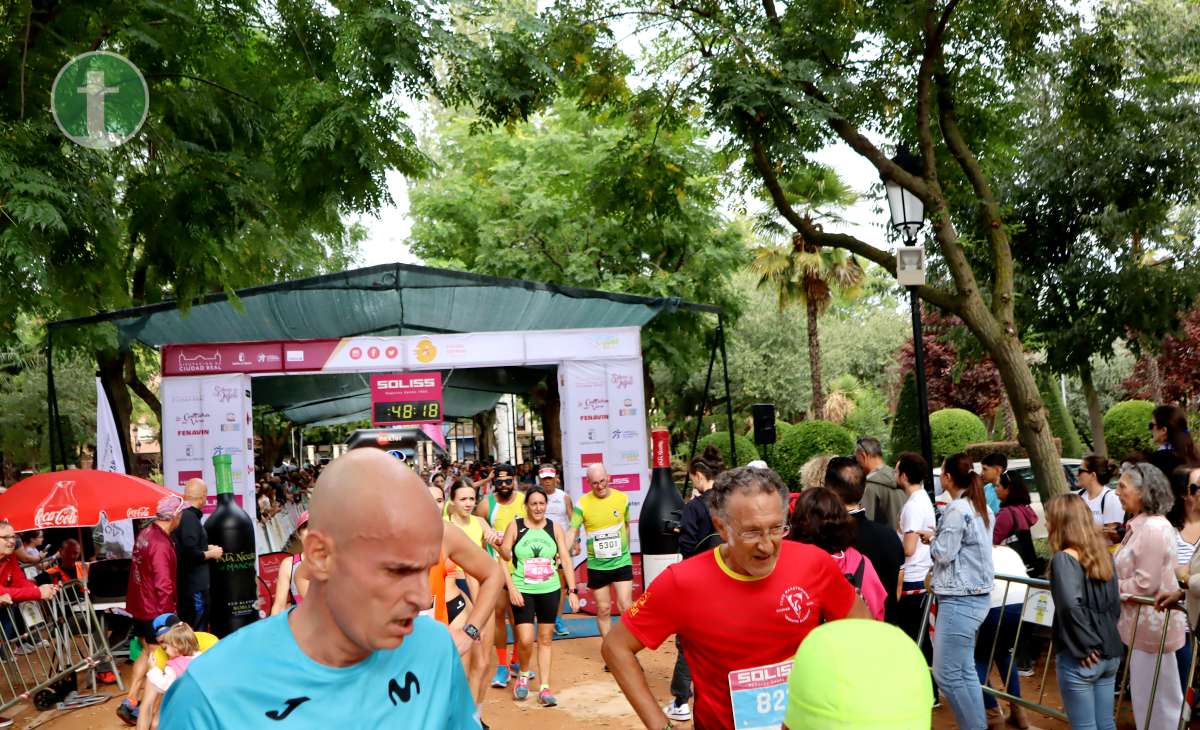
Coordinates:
(374, 533)
(195, 492)
(597, 477)
(366, 492)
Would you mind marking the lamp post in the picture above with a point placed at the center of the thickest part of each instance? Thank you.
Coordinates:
(908, 216)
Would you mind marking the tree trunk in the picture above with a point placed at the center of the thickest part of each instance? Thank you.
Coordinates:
(1033, 423)
(111, 369)
(484, 422)
(549, 406)
(1010, 419)
(1095, 415)
(814, 361)
(1154, 378)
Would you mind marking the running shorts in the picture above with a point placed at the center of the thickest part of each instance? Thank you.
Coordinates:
(542, 606)
(602, 578)
(454, 607)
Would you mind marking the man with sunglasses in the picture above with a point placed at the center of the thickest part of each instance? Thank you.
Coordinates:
(740, 609)
(501, 507)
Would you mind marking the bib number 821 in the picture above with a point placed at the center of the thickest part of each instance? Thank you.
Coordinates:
(775, 700)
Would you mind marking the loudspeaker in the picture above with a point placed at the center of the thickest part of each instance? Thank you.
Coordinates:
(764, 423)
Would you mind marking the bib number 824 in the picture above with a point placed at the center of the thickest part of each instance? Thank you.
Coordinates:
(775, 700)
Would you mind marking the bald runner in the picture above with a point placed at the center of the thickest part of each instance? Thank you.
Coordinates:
(356, 652)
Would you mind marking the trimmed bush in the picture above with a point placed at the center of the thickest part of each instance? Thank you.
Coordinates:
(1126, 428)
(1061, 424)
(1011, 449)
(782, 428)
(906, 431)
(746, 452)
(805, 441)
(952, 430)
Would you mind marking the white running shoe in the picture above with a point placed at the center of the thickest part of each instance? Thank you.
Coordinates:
(682, 713)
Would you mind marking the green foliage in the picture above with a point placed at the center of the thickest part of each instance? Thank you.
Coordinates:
(24, 439)
(1011, 449)
(1060, 422)
(906, 429)
(602, 202)
(869, 414)
(746, 451)
(952, 430)
(769, 364)
(782, 428)
(805, 441)
(1126, 428)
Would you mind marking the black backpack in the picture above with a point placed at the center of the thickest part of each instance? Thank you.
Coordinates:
(856, 578)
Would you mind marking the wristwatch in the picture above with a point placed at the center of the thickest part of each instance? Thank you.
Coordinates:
(472, 630)
(575, 590)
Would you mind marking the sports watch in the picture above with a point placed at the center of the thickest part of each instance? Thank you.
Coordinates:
(472, 630)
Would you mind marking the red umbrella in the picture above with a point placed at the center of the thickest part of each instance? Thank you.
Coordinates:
(75, 498)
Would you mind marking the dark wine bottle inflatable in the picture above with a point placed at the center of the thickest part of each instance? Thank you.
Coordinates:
(658, 528)
(234, 591)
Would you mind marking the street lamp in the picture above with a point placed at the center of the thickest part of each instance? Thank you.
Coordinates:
(908, 216)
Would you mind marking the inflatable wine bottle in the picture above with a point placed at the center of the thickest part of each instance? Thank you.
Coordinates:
(234, 591)
(659, 524)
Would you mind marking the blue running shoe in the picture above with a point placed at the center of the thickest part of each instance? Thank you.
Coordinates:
(501, 679)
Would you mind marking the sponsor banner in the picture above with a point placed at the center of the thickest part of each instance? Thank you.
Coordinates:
(233, 357)
(400, 398)
(603, 421)
(117, 535)
(412, 352)
(203, 416)
(558, 345)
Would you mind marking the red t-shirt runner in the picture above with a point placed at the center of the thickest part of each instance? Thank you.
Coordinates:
(740, 633)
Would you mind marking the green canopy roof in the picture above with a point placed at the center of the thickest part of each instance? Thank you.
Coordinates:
(389, 299)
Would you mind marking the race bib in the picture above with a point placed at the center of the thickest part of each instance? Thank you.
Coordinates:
(607, 544)
(538, 570)
(759, 696)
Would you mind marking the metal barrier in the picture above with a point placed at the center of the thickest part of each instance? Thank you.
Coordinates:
(1041, 587)
(43, 643)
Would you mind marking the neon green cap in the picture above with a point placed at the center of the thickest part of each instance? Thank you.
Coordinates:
(857, 673)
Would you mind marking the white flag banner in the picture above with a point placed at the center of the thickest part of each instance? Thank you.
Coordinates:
(118, 536)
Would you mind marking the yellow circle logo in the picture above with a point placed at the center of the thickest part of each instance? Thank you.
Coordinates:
(426, 351)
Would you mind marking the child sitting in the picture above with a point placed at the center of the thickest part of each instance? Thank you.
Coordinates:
(181, 646)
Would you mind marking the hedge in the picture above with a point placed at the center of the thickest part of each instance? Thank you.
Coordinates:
(1011, 449)
(906, 431)
(782, 428)
(1127, 428)
(1061, 424)
(746, 451)
(952, 430)
(805, 441)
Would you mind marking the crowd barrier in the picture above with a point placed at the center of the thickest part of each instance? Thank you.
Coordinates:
(1037, 609)
(272, 535)
(45, 645)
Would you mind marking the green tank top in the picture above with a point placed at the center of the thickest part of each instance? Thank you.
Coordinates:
(534, 557)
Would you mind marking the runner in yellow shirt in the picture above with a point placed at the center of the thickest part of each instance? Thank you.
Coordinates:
(604, 513)
(501, 507)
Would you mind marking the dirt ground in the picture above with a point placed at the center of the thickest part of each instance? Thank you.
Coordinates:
(587, 696)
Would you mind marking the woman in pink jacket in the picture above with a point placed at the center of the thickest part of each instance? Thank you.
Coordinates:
(821, 519)
(1145, 565)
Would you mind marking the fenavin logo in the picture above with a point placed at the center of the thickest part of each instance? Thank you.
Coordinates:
(99, 100)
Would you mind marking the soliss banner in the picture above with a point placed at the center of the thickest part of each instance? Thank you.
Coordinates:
(207, 415)
(603, 419)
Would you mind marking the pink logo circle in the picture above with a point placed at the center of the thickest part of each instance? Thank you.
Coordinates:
(373, 353)
(355, 353)
(391, 353)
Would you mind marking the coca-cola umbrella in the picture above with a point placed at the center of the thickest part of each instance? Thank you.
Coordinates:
(77, 497)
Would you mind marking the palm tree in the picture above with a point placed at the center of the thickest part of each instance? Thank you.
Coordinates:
(802, 272)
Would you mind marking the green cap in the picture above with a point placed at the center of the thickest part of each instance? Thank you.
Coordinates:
(223, 467)
(858, 673)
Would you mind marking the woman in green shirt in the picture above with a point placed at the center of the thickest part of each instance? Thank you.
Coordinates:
(531, 545)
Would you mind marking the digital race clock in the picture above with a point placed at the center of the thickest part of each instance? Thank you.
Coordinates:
(395, 412)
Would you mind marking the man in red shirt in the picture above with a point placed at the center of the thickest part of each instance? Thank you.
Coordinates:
(741, 611)
(151, 590)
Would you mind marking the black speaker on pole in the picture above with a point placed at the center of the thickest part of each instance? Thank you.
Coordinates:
(764, 423)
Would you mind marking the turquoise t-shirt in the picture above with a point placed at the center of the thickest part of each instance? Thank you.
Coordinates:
(258, 677)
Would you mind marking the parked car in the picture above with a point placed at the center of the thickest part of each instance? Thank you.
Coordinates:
(1024, 469)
